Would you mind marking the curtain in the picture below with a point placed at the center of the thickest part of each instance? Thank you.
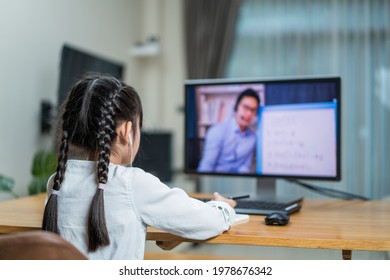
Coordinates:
(346, 38)
(210, 29)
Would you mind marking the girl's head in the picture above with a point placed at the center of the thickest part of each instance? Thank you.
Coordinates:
(94, 111)
(100, 118)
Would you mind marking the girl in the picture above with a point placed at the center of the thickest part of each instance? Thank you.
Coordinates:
(96, 200)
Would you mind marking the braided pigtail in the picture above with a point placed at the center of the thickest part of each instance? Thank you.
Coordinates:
(50, 216)
(97, 228)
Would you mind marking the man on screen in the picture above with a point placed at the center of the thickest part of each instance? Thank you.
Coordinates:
(230, 145)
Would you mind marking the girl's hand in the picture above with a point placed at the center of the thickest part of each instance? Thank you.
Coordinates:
(219, 197)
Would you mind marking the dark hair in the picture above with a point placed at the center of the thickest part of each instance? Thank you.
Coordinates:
(246, 93)
(94, 107)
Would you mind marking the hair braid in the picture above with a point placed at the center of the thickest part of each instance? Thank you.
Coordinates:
(62, 159)
(97, 229)
(50, 216)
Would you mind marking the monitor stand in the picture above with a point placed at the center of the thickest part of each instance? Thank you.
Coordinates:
(266, 191)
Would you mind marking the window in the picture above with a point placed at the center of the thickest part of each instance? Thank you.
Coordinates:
(346, 38)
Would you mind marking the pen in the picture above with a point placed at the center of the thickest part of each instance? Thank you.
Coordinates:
(239, 197)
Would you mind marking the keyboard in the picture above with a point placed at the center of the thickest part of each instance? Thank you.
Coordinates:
(258, 207)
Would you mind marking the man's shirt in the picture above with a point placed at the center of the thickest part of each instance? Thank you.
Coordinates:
(227, 149)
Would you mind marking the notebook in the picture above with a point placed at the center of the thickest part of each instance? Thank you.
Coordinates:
(241, 218)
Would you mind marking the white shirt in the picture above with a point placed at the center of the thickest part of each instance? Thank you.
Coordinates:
(133, 199)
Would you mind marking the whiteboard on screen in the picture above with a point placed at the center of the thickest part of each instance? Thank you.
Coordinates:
(297, 140)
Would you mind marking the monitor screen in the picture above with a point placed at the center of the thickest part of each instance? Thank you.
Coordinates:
(280, 128)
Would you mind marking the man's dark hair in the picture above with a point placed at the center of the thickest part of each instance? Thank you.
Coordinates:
(247, 93)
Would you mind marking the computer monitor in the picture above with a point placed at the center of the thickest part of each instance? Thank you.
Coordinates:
(292, 131)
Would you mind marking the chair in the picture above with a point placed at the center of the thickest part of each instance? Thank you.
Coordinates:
(37, 245)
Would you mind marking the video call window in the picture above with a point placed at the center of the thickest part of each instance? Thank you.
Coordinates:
(296, 127)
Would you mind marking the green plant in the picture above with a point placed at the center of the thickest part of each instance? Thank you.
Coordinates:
(43, 166)
(7, 185)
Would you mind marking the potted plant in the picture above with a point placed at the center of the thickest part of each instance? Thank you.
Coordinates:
(7, 185)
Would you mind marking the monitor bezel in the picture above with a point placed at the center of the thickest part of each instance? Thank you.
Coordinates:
(226, 81)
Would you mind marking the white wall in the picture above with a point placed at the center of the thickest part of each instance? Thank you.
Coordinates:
(31, 36)
(161, 77)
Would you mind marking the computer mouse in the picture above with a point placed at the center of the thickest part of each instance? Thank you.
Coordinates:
(277, 218)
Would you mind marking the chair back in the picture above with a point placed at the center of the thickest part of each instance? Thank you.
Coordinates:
(37, 245)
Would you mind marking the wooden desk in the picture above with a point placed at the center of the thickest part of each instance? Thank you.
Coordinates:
(22, 214)
(321, 224)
